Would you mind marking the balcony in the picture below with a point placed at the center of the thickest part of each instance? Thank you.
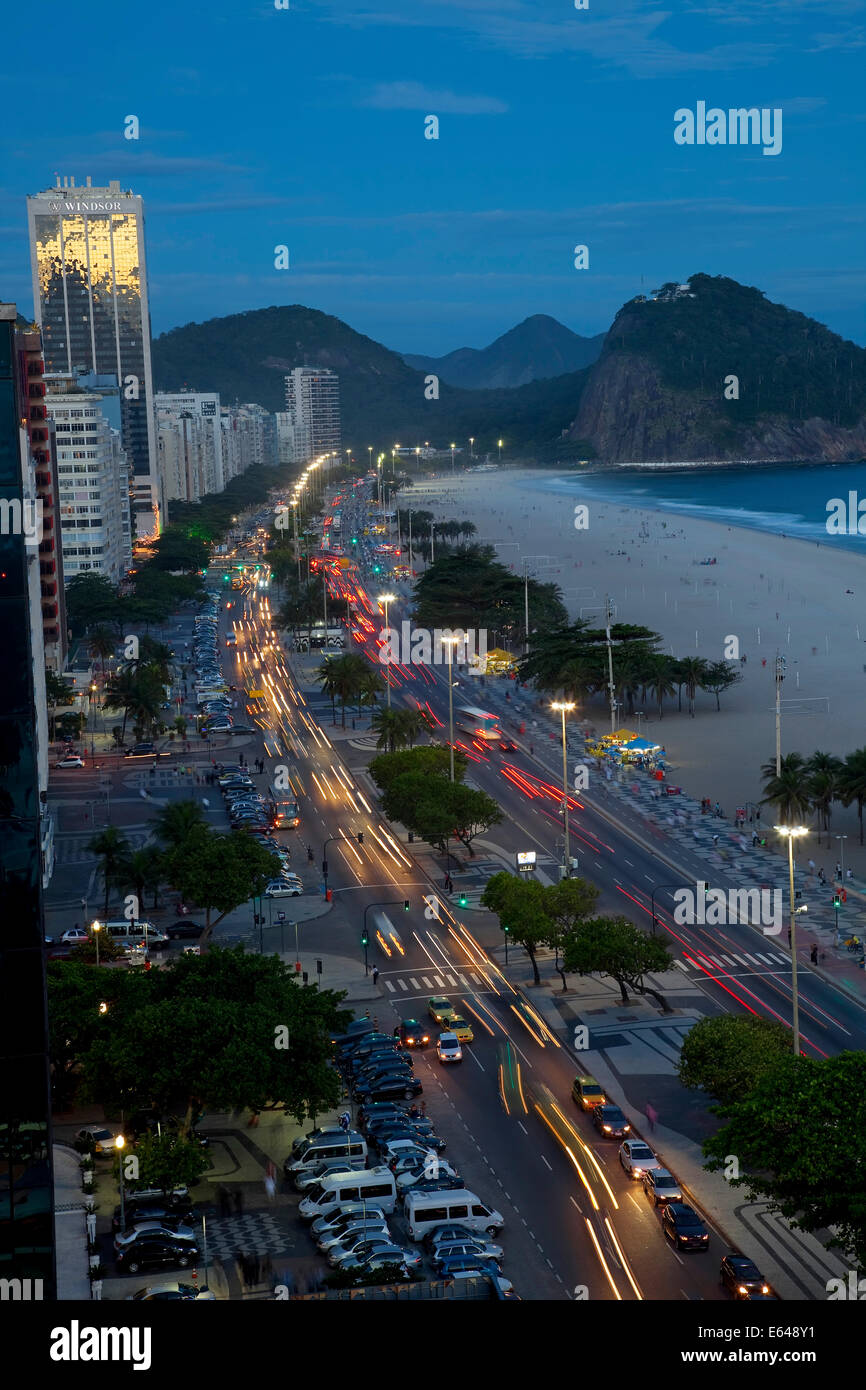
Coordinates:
(36, 390)
(37, 412)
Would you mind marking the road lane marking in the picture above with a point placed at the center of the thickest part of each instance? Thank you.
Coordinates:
(549, 1165)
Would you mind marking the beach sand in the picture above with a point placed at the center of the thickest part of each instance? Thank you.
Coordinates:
(772, 593)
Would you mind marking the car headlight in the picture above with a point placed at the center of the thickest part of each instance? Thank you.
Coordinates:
(606, 1128)
(742, 1289)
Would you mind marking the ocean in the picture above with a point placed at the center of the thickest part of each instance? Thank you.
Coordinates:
(785, 500)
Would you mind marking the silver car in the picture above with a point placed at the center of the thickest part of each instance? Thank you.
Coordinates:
(662, 1187)
(308, 1177)
(364, 1226)
(352, 1243)
(479, 1249)
(637, 1158)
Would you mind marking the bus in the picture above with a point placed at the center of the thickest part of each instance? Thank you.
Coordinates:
(480, 723)
(284, 810)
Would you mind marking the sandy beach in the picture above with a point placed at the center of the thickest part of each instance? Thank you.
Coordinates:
(774, 594)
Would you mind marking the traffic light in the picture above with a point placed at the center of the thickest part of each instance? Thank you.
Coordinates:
(837, 901)
(405, 904)
(365, 939)
(462, 900)
(354, 540)
(506, 928)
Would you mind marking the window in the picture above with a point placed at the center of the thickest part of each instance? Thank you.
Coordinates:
(431, 1214)
(458, 1213)
(479, 1210)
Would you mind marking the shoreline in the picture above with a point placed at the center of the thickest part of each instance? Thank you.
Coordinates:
(773, 593)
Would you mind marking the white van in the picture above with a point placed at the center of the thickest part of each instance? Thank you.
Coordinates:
(374, 1185)
(135, 934)
(351, 1147)
(425, 1210)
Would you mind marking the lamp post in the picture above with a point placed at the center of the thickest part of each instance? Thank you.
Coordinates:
(386, 599)
(450, 643)
(499, 445)
(564, 707)
(471, 446)
(453, 446)
(119, 1144)
(96, 928)
(841, 839)
(92, 720)
(792, 832)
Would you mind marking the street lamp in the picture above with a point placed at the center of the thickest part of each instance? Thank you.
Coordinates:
(792, 832)
(841, 839)
(471, 446)
(120, 1144)
(452, 447)
(450, 643)
(93, 689)
(96, 928)
(499, 443)
(386, 599)
(564, 707)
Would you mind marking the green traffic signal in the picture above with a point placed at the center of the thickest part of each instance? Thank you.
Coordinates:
(365, 940)
(837, 901)
(462, 900)
(405, 904)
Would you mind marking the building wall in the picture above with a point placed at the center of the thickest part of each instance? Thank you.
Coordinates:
(92, 475)
(313, 407)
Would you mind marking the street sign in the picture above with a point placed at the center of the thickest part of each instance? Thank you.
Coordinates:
(526, 860)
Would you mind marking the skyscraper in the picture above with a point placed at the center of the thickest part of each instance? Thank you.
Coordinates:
(313, 408)
(90, 297)
(26, 1186)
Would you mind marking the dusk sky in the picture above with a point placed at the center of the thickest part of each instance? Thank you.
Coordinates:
(306, 127)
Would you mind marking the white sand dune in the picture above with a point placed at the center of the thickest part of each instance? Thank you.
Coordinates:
(774, 594)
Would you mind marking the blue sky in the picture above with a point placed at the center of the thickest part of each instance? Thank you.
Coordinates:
(305, 127)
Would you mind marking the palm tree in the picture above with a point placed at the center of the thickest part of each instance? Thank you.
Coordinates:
(413, 721)
(113, 849)
(101, 643)
(690, 671)
(173, 824)
(790, 791)
(825, 773)
(370, 686)
(660, 679)
(328, 676)
(142, 870)
(180, 726)
(853, 783)
(388, 725)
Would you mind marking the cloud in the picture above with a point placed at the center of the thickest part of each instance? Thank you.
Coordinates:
(413, 96)
(210, 205)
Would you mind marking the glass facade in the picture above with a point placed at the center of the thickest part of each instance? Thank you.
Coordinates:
(26, 1189)
(90, 289)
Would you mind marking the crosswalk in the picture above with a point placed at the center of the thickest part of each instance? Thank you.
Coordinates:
(444, 979)
(757, 960)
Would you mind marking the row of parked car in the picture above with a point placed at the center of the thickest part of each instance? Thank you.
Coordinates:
(209, 678)
(349, 1203)
(680, 1223)
(248, 810)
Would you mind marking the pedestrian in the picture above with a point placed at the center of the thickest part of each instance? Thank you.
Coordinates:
(838, 871)
(849, 874)
(239, 1202)
(651, 1114)
(270, 1188)
(811, 866)
(715, 839)
(813, 954)
(375, 973)
(822, 877)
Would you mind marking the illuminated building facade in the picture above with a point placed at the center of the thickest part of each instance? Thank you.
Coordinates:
(90, 296)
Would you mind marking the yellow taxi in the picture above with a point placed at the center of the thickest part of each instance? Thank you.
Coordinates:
(587, 1093)
(463, 1029)
(440, 1008)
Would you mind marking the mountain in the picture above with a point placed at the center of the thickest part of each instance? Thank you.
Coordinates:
(245, 357)
(537, 348)
(658, 390)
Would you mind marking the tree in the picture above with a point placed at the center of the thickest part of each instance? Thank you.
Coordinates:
(616, 947)
(432, 760)
(729, 1055)
(167, 1161)
(799, 1132)
(90, 598)
(520, 906)
(101, 644)
(219, 872)
(221, 1031)
(107, 949)
(173, 823)
(660, 679)
(77, 1019)
(719, 676)
(790, 791)
(567, 904)
(853, 783)
(692, 671)
(112, 848)
(386, 723)
(825, 779)
(142, 870)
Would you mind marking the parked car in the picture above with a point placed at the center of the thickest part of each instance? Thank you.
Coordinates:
(684, 1228)
(610, 1121)
(95, 1139)
(587, 1093)
(141, 750)
(184, 930)
(279, 888)
(743, 1279)
(661, 1187)
(308, 1177)
(148, 1213)
(389, 1089)
(475, 1248)
(70, 760)
(637, 1157)
(74, 936)
(442, 1235)
(156, 1249)
(421, 1172)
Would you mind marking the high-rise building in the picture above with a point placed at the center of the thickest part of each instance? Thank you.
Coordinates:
(43, 451)
(90, 295)
(204, 407)
(26, 1184)
(313, 408)
(93, 483)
